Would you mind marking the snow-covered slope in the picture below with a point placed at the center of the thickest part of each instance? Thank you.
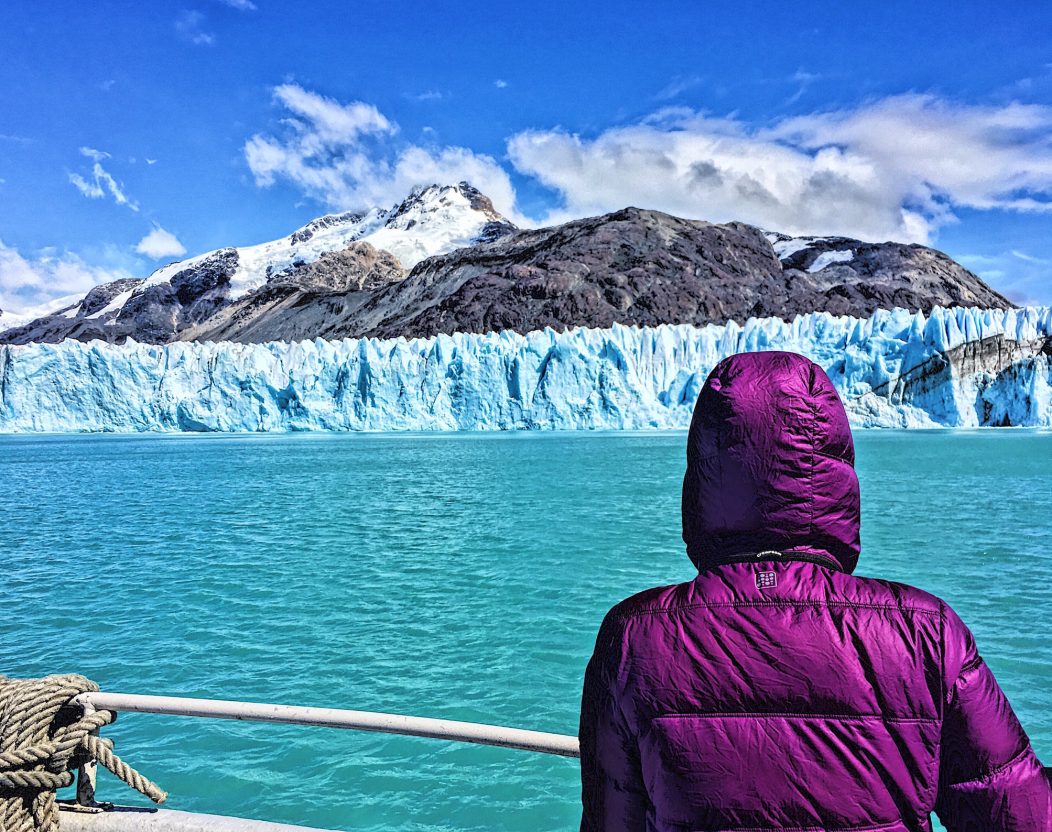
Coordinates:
(956, 367)
(430, 221)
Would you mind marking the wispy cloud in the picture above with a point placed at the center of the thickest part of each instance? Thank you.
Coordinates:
(1028, 258)
(427, 95)
(100, 182)
(240, 5)
(351, 155)
(33, 285)
(805, 79)
(500, 84)
(802, 76)
(160, 243)
(189, 25)
(93, 154)
(677, 86)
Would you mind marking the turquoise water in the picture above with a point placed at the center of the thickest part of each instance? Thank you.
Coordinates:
(458, 576)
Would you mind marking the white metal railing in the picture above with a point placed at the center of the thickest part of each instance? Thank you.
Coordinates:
(413, 726)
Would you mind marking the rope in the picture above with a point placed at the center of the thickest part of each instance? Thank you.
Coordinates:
(42, 741)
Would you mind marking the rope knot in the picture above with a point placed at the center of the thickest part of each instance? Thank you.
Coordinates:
(44, 738)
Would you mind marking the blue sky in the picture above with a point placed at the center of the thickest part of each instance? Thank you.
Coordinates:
(132, 132)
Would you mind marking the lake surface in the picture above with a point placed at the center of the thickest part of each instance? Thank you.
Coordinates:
(456, 576)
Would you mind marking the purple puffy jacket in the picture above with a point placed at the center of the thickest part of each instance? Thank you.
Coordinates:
(776, 691)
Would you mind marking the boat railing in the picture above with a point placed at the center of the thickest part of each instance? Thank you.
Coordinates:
(414, 726)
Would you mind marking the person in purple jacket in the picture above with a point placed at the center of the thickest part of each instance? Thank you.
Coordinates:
(776, 691)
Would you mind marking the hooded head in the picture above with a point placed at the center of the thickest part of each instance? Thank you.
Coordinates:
(770, 464)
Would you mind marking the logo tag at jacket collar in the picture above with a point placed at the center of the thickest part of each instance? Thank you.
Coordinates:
(766, 580)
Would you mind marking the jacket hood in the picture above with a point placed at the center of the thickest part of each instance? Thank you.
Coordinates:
(770, 464)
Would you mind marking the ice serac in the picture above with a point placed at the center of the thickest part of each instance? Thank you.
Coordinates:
(960, 367)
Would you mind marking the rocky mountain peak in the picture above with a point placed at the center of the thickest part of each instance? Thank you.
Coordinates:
(303, 234)
(434, 201)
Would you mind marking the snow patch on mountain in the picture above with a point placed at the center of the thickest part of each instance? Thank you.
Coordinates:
(953, 368)
(113, 306)
(432, 220)
(828, 258)
(786, 248)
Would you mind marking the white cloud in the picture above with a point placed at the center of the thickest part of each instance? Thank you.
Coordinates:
(982, 157)
(891, 169)
(160, 243)
(151, 161)
(500, 84)
(802, 76)
(240, 5)
(325, 120)
(804, 79)
(93, 154)
(350, 156)
(100, 182)
(677, 86)
(190, 27)
(33, 286)
(1028, 258)
(896, 168)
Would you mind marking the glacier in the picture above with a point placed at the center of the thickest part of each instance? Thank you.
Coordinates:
(959, 367)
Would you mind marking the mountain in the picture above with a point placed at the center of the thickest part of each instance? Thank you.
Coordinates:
(185, 294)
(307, 300)
(647, 268)
(445, 260)
(952, 368)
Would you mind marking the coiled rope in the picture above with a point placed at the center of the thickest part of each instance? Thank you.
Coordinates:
(43, 740)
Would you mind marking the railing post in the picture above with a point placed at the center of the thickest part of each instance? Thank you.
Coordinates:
(86, 773)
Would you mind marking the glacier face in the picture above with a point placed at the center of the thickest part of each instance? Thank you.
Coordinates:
(955, 368)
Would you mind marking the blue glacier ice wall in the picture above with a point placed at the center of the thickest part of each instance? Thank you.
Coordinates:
(954, 367)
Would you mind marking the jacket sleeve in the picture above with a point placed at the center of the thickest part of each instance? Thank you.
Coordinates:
(990, 780)
(612, 790)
